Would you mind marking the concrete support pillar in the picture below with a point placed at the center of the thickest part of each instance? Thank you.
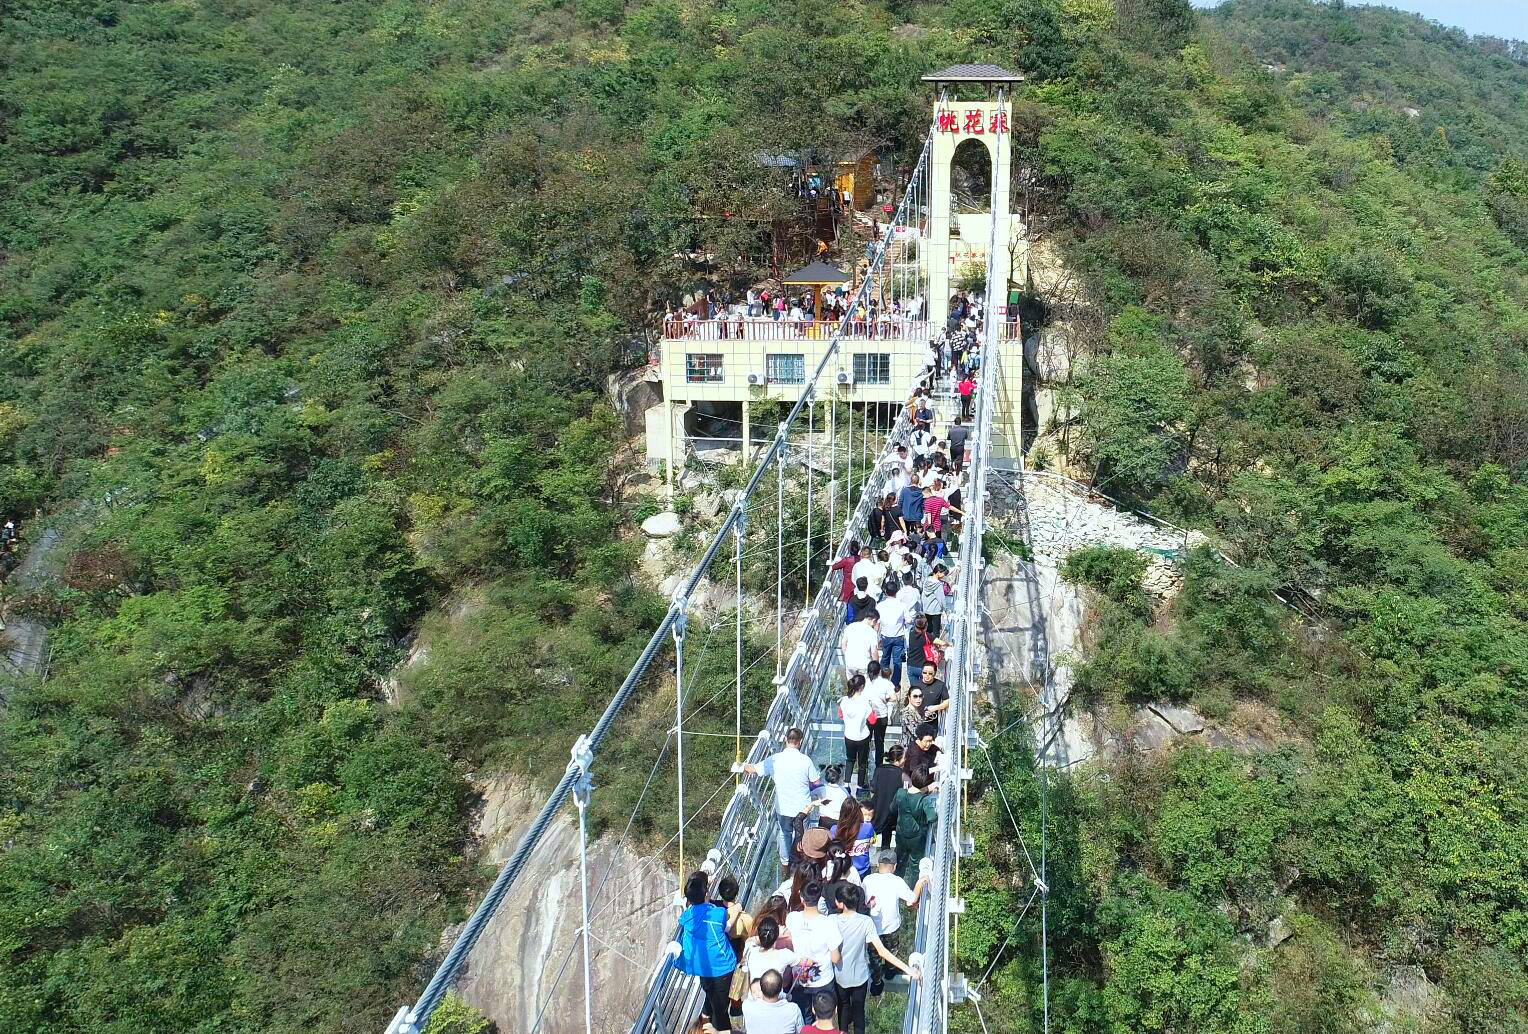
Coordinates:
(938, 250)
(747, 443)
(668, 424)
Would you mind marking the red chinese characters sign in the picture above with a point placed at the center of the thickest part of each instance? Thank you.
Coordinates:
(973, 122)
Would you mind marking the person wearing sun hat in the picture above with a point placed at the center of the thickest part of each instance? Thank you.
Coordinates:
(831, 865)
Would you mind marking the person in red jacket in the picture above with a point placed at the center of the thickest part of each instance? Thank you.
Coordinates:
(966, 388)
(844, 565)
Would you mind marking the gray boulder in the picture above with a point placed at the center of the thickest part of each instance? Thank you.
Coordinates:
(661, 525)
(1184, 720)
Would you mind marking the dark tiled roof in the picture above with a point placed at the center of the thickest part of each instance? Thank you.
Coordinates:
(816, 273)
(973, 73)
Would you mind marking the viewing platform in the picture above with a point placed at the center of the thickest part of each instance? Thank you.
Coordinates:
(754, 358)
(764, 328)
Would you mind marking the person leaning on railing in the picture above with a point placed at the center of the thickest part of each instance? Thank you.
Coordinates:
(795, 775)
(705, 950)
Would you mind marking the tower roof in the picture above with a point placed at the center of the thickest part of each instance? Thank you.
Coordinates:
(974, 74)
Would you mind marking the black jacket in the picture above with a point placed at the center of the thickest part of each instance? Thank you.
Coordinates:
(883, 523)
(884, 785)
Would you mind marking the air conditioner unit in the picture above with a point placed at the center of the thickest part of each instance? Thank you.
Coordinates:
(846, 378)
(756, 380)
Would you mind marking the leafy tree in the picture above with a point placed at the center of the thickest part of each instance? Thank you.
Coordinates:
(1171, 965)
(1135, 404)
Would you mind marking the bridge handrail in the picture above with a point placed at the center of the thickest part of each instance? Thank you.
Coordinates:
(760, 328)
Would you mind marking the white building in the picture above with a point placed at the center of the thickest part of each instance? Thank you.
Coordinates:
(718, 364)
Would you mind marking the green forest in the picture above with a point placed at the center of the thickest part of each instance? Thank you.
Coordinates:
(306, 314)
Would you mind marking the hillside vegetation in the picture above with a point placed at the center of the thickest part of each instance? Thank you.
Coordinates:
(305, 312)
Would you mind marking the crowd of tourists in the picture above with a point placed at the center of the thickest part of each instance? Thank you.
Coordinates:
(721, 315)
(852, 838)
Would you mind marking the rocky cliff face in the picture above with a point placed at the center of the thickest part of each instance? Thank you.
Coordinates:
(1034, 620)
(527, 967)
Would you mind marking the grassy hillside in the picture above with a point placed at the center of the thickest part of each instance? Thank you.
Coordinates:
(304, 312)
(304, 315)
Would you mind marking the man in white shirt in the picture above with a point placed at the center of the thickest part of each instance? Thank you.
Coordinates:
(924, 443)
(771, 1012)
(861, 641)
(794, 774)
(886, 893)
(815, 938)
(893, 627)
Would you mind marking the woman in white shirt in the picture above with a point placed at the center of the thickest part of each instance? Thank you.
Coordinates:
(855, 708)
(883, 699)
(763, 954)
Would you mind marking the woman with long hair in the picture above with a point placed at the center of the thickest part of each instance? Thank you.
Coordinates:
(776, 908)
(854, 835)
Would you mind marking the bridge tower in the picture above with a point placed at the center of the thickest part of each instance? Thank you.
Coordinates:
(973, 143)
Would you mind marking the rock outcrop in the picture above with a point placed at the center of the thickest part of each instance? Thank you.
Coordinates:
(1064, 516)
(661, 525)
(1032, 631)
(632, 395)
(528, 963)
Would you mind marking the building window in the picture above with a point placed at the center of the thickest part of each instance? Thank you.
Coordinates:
(703, 368)
(872, 368)
(785, 369)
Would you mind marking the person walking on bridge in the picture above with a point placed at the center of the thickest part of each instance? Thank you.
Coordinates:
(917, 811)
(966, 389)
(910, 508)
(957, 437)
(883, 520)
(770, 1011)
(795, 775)
(817, 941)
(894, 618)
(861, 642)
(857, 711)
(883, 698)
(857, 935)
(844, 566)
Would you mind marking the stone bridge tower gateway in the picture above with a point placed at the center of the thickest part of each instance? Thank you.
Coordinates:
(970, 181)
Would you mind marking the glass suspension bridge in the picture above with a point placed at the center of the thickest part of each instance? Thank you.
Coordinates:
(808, 671)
